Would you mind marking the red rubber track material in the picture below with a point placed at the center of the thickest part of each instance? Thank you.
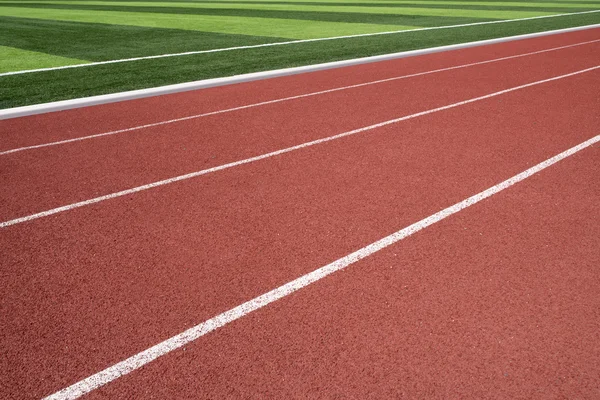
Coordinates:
(87, 288)
(500, 301)
(153, 273)
(51, 177)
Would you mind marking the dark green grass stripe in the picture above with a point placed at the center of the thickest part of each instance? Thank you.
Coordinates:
(524, 6)
(370, 18)
(366, 4)
(99, 42)
(341, 16)
(57, 85)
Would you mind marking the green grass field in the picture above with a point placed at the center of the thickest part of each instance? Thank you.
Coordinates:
(51, 33)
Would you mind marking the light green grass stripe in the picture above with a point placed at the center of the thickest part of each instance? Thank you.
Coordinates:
(18, 59)
(434, 12)
(378, 2)
(272, 44)
(269, 27)
(378, 7)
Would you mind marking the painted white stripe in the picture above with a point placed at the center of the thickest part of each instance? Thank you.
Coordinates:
(187, 53)
(254, 76)
(277, 152)
(263, 103)
(139, 360)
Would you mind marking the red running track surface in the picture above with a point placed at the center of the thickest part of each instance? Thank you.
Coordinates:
(498, 301)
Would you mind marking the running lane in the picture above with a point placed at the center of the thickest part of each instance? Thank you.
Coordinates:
(41, 179)
(89, 287)
(498, 301)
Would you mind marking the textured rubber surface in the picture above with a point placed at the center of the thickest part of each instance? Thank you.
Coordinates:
(50, 177)
(497, 301)
(500, 302)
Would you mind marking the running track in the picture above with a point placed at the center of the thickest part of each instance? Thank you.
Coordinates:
(498, 300)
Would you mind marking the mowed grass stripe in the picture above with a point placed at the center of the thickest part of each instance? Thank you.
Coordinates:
(99, 42)
(539, 3)
(269, 27)
(380, 3)
(191, 8)
(271, 8)
(14, 59)
(350, 17)
(58, 85)
(362, 8)
(103, 42)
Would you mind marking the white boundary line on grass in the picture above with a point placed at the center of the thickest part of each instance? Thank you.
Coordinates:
(215, 82)
(274, 101)
(140, 359)
(256, 46)
(277, 152)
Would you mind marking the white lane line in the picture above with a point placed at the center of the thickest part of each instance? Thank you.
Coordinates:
(263, 103)
(139, 360)
(90, 64)
(277, 152)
